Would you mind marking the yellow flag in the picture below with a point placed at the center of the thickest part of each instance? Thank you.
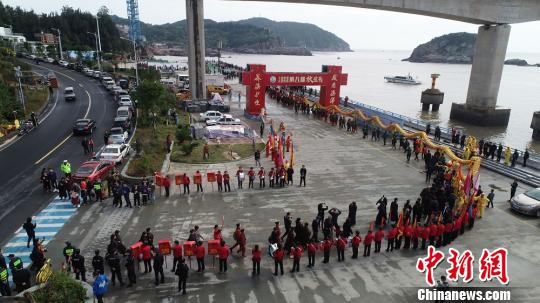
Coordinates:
(292, 155)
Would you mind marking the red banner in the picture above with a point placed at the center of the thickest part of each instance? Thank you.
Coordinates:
(257, 79)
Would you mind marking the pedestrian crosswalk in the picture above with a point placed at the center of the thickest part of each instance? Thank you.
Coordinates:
(49, 222)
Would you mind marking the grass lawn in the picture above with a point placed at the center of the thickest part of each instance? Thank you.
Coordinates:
(153, 150)
(35, 99)
(218, 153)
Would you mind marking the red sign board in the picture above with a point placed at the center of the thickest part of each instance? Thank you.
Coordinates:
(189, 248)
(257, 79)
(164, 247)
(213, 247)
(211, 176)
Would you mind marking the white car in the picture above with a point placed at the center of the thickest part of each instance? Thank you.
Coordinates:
(127, 103)
(527, 203)
(63, 63)
(117, 139)
(96, 74)
(114, 153)
(109, 84)
(225, 120)
(120, 131)
(89, 72)
(49, 60)
(210, 115)
(115, 89)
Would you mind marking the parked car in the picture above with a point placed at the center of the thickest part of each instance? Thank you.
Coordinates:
(118, 131)
(114, 153)
(105, 79)
(96, 74)
(124, 84)
(123, 122)
(93, 170)
(210, 115)
(89, 72)
(49, 60)
(63, 63)
(527, 203)
(109, 84)
(115, 89)
(127, 103)
(84, 127)
(69, 94)
(123, 111)
(225, 120)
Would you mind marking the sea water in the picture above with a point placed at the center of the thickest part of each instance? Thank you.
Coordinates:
(519, 90)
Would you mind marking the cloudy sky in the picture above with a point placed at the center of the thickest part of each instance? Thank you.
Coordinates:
(361, 28)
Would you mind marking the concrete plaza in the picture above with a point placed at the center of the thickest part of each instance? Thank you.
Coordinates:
(342, 167)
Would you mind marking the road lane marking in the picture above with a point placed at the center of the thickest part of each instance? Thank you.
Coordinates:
(80, 84)
(70, 135)
(54, 149)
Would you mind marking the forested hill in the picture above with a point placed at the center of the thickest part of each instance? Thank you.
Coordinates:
(73, 23)
(296, 34)
(249, 33)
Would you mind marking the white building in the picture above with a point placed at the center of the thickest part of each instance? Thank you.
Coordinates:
(7, 34)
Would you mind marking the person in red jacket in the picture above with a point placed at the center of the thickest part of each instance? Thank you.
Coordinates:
(355, 243)
(199, 254)
(447, 233)
(217, 233)
(297, 254)
(279, 254)
(177, 255)
(433, 230)
(326, 245)
(312, 249)
(186, 181)
(464, 220)
(378, 236)
(251, 177)
(425, 236)
(367, 243)
(147, 257)
(262, 175)
(271, 176)
(457, 227)
(243, 241)
(417, 234)
(167, 185)
(340, 245)
(391, 236)
(197, 179)
(219, 179)
(223, 256)
(440, 233)
(256, 259)
(236, 237)
(226, 181)
(407, 233)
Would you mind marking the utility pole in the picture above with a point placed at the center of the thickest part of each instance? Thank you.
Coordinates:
(59, 42)
(99, 42)
(18, 75)
(97, 49)
(219, 47)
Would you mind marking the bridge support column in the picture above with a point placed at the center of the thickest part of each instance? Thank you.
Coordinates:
(486, 72)
(535, 125)
(196, 50)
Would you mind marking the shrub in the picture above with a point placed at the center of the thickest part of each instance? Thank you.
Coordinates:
(187, 148)
(59, 289)
(182, 133)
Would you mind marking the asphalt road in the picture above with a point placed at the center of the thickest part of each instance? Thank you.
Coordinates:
(21, 193)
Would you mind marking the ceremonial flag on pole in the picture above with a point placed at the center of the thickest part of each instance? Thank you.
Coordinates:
(476, 182)
(467, 184)
(292, 155)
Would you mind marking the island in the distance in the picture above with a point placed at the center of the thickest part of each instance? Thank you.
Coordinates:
(455, 48)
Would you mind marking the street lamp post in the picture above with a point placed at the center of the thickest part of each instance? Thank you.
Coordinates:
(135, 56)
(18, 75)
(59, 42)
(99, 42)
(97, 49)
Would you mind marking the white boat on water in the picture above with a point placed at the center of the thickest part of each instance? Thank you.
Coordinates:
(402, 79)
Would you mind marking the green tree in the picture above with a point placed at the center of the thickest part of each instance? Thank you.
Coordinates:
(148, 96)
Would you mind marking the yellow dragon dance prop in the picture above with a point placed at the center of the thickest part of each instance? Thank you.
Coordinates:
(473, 163)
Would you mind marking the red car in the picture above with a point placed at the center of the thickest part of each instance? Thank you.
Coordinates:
(93, 170)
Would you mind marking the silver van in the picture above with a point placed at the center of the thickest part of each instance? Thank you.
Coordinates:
(123, 111)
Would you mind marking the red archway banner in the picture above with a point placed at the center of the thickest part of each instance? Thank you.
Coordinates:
(256, 78)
